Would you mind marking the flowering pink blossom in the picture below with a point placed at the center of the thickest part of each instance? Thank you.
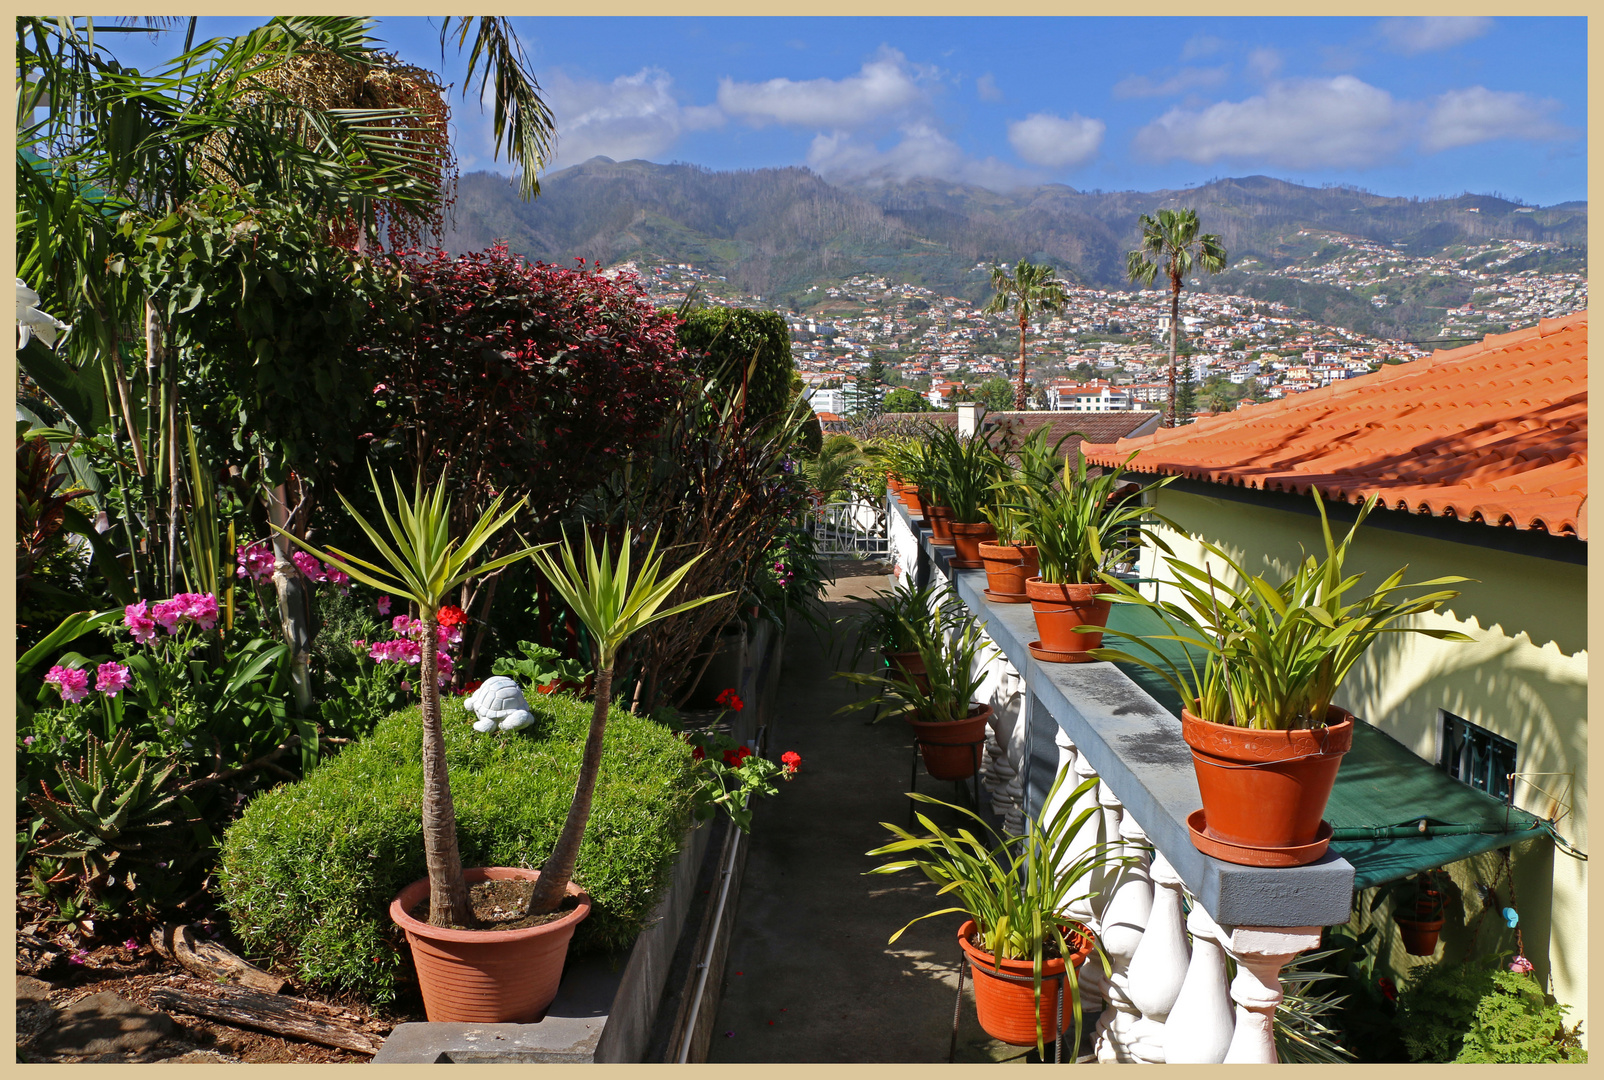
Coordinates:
(73, 683)
(255, 561)
(383, 605)
(199, 608)
(399, 651)
(137, 618)
(309, 565)
(1521, 965)
(402, 624)
(110, 678)
(338, 578)
(169, 613)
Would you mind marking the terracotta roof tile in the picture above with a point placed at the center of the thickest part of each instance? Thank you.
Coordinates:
(1100, 427)
(1494, 432)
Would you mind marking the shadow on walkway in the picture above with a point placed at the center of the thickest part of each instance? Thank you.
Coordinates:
(810, 977)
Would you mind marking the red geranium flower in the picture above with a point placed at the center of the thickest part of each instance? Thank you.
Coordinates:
(729, 700)
(733, 758)
(469, 688)
(697, 753)
(451, 616)
(792, 762)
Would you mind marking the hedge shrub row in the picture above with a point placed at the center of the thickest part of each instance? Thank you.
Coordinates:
(308, 872)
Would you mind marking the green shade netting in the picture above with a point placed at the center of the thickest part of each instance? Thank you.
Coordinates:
(1382, 788)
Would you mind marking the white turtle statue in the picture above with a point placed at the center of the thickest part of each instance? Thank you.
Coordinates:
(498, 699)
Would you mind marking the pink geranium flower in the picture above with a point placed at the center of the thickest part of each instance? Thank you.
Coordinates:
(199, 609)
(383, 605)
(168, 613)
(137, 618)
(255, 561)
(111, 678)
(308, 565)
(72, 683)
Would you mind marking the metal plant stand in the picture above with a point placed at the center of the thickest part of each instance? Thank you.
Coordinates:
(913, 773)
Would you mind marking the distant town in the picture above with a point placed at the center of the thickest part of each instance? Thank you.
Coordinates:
(1109, 349)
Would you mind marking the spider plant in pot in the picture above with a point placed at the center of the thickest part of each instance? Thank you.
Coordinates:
(1009, 558)
(901, 622)
(1080, 530)
(947, 721)
(933, 489)
(970, 467)
(1015, 892)
(1266, 739)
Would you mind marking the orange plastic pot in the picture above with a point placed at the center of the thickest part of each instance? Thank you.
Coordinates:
(1061, 608)
(966, 541)
(940, 519)
(1007, 567)
(488, 976)
(910, 664)
(951, 747)
(1420, 938)
(1266, 789)
(1007, 1009)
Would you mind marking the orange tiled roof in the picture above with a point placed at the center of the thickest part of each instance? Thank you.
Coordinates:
(1494, 432)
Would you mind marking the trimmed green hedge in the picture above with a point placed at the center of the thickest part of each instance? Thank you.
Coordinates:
(736, 335)
(309, 870)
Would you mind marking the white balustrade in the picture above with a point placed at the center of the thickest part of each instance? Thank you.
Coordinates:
(1260, 954)
(1198, 1030)
(1158, 969)
(1123, 922)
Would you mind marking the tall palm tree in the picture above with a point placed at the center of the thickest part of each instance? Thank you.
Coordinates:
(1030, 288)
(1171, 242)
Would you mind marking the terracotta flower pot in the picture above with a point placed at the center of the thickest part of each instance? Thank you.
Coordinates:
(911, 664)
(1419, 938)
(1061, 608)
(488, 976)
(940, 519)
(1007, 567)
(951, 748)
(966, 540)
(1007, 1009)
(1266, 790)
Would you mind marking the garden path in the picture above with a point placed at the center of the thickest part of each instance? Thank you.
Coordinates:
(810, 977)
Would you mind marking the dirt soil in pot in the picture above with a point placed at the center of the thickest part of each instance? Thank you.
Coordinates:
(499, 905)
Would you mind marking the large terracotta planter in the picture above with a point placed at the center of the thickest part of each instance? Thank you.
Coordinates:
(1061, 608)
(1007, 567)
(911, 664)
(966, 541)
(1007, 1009)
(940, 519)
(951, 749)
(1264, 791)
(1420, 937)
(488, 976)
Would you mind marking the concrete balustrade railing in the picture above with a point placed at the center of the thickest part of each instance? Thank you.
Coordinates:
(1168, 921)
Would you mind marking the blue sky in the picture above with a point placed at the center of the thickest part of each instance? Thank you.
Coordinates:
(1408, 106)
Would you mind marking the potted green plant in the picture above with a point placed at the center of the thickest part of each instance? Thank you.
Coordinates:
(901, 460)
(1420, 903)
(1266, 738)
(1011, 558)
(948, 723)
(900, 622)
(933, 493)
(1081, 528)
(471, 969)
(969, 469)
(1015, 893)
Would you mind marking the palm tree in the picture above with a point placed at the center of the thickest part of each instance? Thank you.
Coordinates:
(1171, 242)
(1031, 287)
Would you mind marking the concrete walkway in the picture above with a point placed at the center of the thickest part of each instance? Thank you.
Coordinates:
(810, 977)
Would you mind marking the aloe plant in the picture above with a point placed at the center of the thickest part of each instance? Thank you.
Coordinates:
(1017, 889)
(1273, 655)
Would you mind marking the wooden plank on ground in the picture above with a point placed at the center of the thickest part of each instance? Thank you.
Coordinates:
(211, 960)
(271, 1013)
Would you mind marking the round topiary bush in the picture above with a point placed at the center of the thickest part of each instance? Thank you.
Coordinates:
(308, 872)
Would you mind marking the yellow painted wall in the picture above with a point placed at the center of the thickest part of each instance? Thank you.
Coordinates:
(1524, 677)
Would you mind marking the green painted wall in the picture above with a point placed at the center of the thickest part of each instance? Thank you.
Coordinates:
(1524, 677)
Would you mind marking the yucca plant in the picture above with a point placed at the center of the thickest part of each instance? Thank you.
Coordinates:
(1078, 529)
(424, 564)
(1273, 655)
(1017, 889)
(968, 469)
(598, 588)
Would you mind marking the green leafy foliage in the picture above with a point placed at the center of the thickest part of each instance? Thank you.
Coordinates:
(309, 870)
(1479, 1012)
(743, 347)
(1079, 528)
(540, 665)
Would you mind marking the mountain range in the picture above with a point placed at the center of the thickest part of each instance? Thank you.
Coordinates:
(777, 232)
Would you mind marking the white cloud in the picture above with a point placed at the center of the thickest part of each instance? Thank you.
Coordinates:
(986, 87)
(1264, 63)
(1427, 34)
(1200, 46)
(1477, 114)
(1301, 124)
(1184, 80)
(634, 116)
(921, 150)
(1055, 142)
(885, 87)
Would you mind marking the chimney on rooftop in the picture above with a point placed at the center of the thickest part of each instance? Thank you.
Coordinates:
(969, 417)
